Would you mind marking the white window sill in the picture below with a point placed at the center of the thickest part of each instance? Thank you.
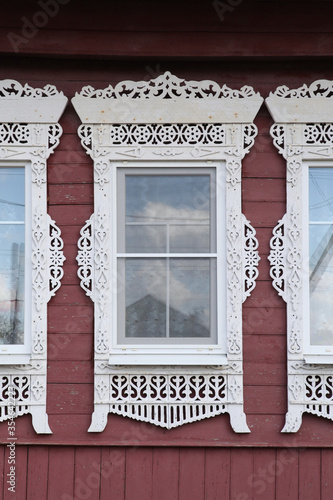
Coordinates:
(322, 359)
(170, 359)
(15, 359)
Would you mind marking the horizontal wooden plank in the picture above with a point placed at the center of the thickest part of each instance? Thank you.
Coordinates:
(68, 172)
(70, 319)
(214, 432)
(263, 190)
(265, 348)
(264, 162)
(239, 16)
(70, 372)
(103, 44)
(272, 373)
(264, 214)
(264, 320)
(70, 194)
(70, 398)
(70, 346)
(265, 400)
(60, 213)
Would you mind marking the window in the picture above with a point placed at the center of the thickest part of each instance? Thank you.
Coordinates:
(31, 254)
(167, 257)
(15, 226)
(320, 215)
(301, 247)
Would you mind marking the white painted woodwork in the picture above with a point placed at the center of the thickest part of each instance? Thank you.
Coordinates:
(29, 134)
(171, 129)
(303, 135)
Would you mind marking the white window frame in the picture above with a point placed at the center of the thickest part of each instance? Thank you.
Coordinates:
(173, 354)
(302, 133)
(165, 122)
(20, 353)
(29, 133)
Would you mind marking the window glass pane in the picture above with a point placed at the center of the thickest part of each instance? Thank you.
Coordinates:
(12, 194)
(11, 283)
(148, 238)
(190, 287)
(321, 255)
(145, 296)
(167, 298)
(179, 204)
(321, 194)
(189, 238)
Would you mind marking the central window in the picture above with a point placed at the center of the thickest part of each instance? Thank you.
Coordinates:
(169, 258)
(321, 256)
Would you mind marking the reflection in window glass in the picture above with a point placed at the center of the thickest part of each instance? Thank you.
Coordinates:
(168, 213)
(167, 297)
(321, 255)
(12, 238)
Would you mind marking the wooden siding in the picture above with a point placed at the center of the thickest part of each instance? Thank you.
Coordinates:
(259, 43)
(158, 28)
(70, 313)
(146, 473)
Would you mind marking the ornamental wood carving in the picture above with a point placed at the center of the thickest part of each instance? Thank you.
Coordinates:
(29, 133)
(303, 133)
(167, 396)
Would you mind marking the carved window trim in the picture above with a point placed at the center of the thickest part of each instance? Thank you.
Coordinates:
(168, 119)
(29, 133)
(302, 118)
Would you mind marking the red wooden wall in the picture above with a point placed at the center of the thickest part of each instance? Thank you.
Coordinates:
(259, 43)
(150, 473)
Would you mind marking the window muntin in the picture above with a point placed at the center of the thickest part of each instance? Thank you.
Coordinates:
(15, 223)
(169, 263)
(321, 255)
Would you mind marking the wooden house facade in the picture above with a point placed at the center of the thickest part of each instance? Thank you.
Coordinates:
(262, 45)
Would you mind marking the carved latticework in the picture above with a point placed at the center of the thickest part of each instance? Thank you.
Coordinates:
(167, 396)
(29, 133)
(303, 134)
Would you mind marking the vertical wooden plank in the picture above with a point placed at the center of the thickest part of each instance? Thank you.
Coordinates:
(165, 473)
(241, 474)
(264, 473)
(217, 474)
(287, 480)
(3, 471)
(326, 473)
(113, 461)
(38, 463)
(87, 472)
(61, 473)
(138, 474)
(309, 474)
(21, 455)
(192, 474)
